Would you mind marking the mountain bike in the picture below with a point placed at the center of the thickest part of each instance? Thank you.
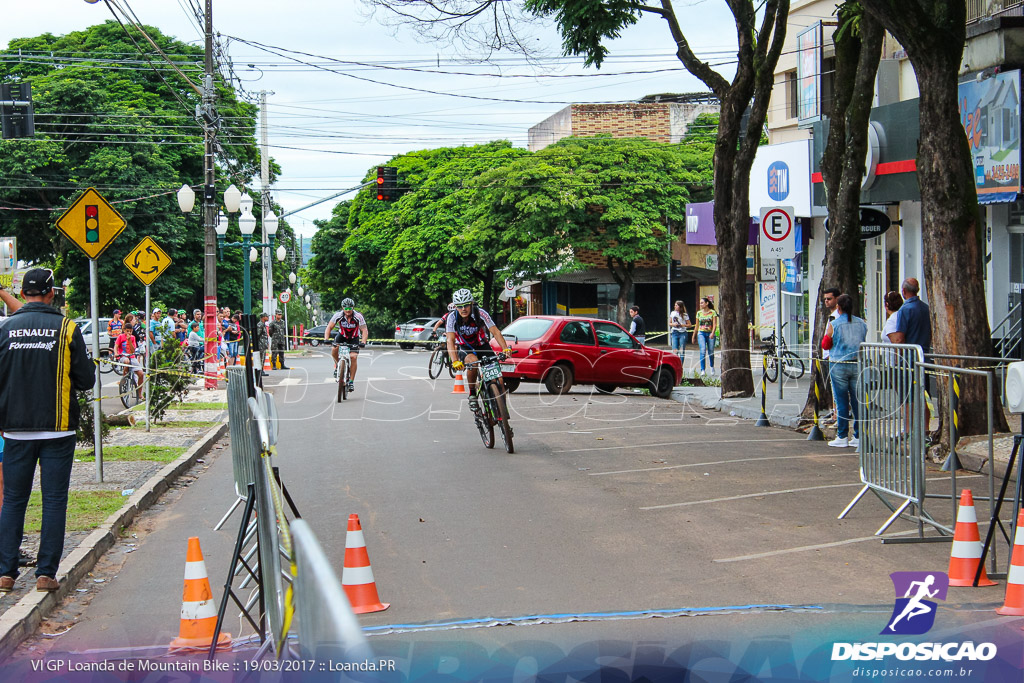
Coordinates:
(128, 388)
(792, 366)
(342, 371)
(439, 360)
(491, 399)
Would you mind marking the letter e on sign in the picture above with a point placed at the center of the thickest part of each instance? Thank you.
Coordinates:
(778, 237)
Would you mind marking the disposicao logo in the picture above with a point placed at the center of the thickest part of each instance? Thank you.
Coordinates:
(914, 614)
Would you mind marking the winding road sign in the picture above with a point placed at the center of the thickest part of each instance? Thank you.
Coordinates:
(147, 261)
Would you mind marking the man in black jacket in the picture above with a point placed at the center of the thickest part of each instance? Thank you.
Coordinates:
(43, 362)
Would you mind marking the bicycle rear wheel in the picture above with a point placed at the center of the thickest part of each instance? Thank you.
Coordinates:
(772, 372)
(792, 366)
(106, 363)
(436, 364)
(128, 388)
(500, 408)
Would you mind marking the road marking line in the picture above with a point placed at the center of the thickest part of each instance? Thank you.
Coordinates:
(289, 381)
(776, 493)
(752, 495)
(632, 426)
(111, 384)
(720, 462)
(678, 443)
(816, 546)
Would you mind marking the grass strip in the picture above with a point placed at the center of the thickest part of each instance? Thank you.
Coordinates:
(151, 453)
(86, 509)
(174, 424)
(189, 406)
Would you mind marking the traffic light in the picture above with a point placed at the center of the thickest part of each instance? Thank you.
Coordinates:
(387, 183)
(92, 223)
(17, 118)
(677, 269)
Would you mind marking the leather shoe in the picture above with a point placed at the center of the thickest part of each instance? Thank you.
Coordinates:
(47, 584)
(6, 584)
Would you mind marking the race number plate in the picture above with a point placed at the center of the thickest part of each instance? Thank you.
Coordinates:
(489, 372)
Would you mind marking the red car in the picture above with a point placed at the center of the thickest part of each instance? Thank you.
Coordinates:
(564, 350)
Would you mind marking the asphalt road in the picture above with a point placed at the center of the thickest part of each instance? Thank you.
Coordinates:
(626, 506)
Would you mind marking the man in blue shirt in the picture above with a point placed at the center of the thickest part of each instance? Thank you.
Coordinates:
(914, 326)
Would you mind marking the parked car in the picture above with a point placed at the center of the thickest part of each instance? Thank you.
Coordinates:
(315, 335)
(417, 330)
(561, 351)
(85, 325)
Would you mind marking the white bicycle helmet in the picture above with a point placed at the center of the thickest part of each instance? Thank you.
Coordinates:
(461, 297)
(347, 304)
(451, 307)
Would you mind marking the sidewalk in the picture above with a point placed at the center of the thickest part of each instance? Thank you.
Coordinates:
(133, 479)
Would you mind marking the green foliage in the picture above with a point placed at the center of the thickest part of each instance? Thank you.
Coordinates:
(169, 381)
(132, 135)
(86, 422)
(584, 24)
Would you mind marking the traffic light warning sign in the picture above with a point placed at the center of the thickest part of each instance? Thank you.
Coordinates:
(91, 223)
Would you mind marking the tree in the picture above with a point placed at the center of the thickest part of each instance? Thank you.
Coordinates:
(327, 271)
(858, 48)
(130, 133)
(933, 32)
(584, 26)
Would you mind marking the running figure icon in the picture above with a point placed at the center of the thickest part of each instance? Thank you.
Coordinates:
(915, 607)
(915, 595)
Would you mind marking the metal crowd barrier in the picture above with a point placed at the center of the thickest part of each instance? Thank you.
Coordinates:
(268, 538)
(995, 363)
(892, 430)
(244, 456)
(328, 629)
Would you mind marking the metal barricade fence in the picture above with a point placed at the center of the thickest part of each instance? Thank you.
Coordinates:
(892, 430)
(328, 630)
(244, 455)
(268, 538)
(992, 363)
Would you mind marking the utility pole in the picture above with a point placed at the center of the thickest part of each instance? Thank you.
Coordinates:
(268, 284)
(210, 122)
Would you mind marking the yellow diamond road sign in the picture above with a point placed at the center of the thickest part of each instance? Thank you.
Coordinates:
(91, 223)
(147, 261)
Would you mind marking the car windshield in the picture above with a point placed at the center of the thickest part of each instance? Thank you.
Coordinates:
(527, 329)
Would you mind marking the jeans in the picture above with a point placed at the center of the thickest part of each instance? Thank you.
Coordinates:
(844, 390)
(707, 349)
(55, 457)
(677, 339)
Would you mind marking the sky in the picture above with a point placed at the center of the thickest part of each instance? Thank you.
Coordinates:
(330, 120)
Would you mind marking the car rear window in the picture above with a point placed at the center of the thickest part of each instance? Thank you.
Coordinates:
(527, 329)
(420, 321)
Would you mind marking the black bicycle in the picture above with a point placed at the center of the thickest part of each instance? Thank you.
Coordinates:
(439, 360)
(342, 371)
(792, 366)
(128, 389)
(491, 395)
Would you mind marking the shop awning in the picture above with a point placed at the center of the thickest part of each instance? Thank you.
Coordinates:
(997, 197)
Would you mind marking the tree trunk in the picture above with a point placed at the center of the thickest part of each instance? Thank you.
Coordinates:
(933, 33)
(842, 168)
(622, 273)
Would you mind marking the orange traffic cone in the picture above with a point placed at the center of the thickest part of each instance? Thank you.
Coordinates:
(460, 385)
(222, 370)
(1013, 604)
(966, 553)
(198, 613)
(266, 362)
(356, 575)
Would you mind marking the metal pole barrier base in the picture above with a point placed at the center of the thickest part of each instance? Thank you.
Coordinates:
(815, 434)
(762, 421)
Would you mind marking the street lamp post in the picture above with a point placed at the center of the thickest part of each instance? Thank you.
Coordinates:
(246, 225)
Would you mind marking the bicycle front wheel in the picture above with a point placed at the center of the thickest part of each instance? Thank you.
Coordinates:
(436, 364)
(500, 408)
(128, 388)
(792, 366)
(772, 371)
(342, 380)
(485, 427)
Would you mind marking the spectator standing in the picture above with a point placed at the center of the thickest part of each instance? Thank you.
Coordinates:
(114, 328)
(704, 332)
(892, 302)
(262, 340)
(914, 326)
(637, 328)
(43, 362)
(278, 341)
(156, 330)
(678, 323)
(829, 298)
(232, 332)
(12, 305)
(843, 336)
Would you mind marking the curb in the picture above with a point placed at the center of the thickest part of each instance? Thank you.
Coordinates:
(734, 408)
(22, 619)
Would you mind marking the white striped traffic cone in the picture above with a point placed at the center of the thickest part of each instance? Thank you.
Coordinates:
(198, 613)
(1013, 604)
(965, 555)
(356, 575)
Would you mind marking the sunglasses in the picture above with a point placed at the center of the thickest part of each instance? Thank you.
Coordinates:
(463, 306)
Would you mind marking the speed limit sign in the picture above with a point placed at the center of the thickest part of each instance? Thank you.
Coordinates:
(285, 296)
(510, 285)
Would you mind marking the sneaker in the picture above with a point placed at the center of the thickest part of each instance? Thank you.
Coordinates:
(839, 442)
(474, 405)
(854, 442)
(6, 584)
(47, 584)
(351, 386)
(335, 371)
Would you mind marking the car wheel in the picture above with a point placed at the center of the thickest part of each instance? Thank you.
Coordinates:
(605, 388)
(662, 382)
(558, 379)
(511, 383)
(314, 342)
(405, 347)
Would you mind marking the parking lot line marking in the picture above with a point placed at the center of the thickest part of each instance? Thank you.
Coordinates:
(776, 493)
(816, 546)
(720, 462)
(674, 443)
(753, 495)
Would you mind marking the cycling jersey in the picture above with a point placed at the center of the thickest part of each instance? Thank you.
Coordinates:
(125, 344)
(347, 329)
(471, 331)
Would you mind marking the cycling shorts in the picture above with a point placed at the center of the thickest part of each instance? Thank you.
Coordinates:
(478, 352)
(353, 344)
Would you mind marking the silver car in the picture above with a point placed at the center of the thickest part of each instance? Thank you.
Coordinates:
(85, 325)
(416, 331)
